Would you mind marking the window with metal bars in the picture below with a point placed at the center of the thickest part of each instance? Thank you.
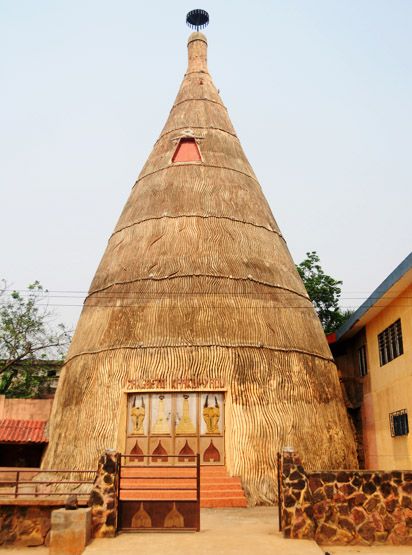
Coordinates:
(390, 343)
(362, 364)
(399, 423)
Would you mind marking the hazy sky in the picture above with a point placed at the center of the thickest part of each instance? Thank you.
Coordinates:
(320, 93)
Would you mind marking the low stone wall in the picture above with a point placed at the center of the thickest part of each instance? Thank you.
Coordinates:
(103, 498)
(345, 507)
(25, 524)
(26, 521)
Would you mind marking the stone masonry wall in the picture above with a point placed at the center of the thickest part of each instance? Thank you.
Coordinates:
(345, 507)
(24, 525)
(103, 498)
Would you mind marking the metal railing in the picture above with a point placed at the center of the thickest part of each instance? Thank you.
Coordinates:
(34, 483)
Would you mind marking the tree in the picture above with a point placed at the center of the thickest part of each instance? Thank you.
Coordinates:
(30, 342)
(324, 292)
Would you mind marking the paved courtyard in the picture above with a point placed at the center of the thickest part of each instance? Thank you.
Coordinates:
(224, 532)
(369, 550)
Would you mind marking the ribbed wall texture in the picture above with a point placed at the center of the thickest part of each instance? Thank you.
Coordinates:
(197, 281)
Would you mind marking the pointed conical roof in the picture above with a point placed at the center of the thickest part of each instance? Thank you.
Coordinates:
(197, 283)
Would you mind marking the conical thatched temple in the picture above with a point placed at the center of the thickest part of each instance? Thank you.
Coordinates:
(197, 334)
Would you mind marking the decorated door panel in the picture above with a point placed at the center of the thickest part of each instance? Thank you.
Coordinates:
(187, 429)
(211, 446)
(160, 429)
(137, 427)
(182, 424)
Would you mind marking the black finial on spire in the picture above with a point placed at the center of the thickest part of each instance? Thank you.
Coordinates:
(197, 19)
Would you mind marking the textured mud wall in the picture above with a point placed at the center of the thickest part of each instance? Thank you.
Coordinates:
(197, 283)
(346, 507)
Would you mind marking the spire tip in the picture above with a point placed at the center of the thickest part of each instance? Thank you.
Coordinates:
(197, 19)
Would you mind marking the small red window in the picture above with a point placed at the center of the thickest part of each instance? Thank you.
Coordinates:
(186, 151)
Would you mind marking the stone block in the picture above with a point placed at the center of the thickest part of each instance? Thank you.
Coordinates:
(377, 480)
(407, 488)
(391, 505)
(314, 484)
(347, 489)
(369, 488)
(347, 525)
(367, 532)
(358, 516)
(343, 509)
(372, 503)
(289, 501)
(357, 499)
(328, 477)
(357, 481)
(386, 489)
(299, 485)
(342, 477)
(380, 537)
(406, 502)
(326, 532)
(70, 531)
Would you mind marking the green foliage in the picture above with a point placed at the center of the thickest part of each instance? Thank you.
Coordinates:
(324, 292)
(30, 344)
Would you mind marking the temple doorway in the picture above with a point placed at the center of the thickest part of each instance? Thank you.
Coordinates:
(172, 427)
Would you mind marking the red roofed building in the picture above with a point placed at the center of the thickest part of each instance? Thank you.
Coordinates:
(23, 435)
(22, 431)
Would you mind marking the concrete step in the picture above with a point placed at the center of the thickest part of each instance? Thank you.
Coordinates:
(217, 488)
(218, 503)
(126, 483)
(210, 489)
(157, 471)
(220, 487)
(210, 470)
(131, 483)
(222, 494)
(220, 480)
(153, 495)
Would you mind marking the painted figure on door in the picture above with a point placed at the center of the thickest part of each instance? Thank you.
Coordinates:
(185, 425)
(161, 425)
(137, 414)
(211, 416)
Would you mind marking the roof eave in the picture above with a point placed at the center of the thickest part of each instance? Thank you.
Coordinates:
(24, 442)
(396, 281)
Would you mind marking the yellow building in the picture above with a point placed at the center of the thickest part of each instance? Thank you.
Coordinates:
(373, 351)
